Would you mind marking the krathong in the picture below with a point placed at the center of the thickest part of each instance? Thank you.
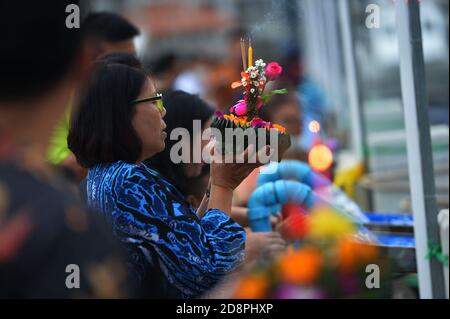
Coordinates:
(245, 113)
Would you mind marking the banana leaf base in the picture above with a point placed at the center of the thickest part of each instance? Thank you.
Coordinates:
(233, 138)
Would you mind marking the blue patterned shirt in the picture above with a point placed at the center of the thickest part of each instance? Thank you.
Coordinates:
(166, 241)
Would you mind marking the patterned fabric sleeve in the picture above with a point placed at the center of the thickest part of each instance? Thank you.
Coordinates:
(192, 254)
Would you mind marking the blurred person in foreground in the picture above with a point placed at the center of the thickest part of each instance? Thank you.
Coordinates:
(107, 33)
(50, 247)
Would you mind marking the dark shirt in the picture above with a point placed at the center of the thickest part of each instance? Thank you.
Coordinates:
(47, 239)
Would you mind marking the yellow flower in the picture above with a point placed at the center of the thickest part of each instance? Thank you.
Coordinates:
(328, 224)
(230, 117)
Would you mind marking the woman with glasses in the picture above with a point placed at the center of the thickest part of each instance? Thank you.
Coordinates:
(173, 252)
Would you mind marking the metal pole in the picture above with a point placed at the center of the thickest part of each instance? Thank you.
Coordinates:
(356, 118)
(418, 141)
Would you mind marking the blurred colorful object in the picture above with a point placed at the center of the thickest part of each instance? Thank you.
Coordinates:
(268, 198)
(314, 126)
(347, 178)
(325, 260)
(320, 157)
(325, 193)
(295, 223)
(309, 258)
(326, 224)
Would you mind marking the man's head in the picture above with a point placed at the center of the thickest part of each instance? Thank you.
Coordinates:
(109, 32)
(37, 48)
(42, 62)
(285, 110)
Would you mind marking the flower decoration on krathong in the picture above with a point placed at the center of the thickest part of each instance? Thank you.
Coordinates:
(244, 122)
(254, 79)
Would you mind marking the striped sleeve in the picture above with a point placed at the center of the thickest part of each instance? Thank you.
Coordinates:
(193, 254)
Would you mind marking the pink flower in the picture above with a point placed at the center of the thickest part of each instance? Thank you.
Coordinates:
(273, 70)
(257, 122)
(218, 114)
(240, 108)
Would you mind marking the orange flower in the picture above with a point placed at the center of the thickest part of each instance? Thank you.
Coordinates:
(352, 253)
(279, 128)
(301, 267)
(236, 84)
(252, 287)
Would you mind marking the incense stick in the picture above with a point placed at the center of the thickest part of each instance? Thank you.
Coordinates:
(243, 54)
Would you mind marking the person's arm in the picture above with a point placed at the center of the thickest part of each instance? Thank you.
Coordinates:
(148, 218)
(202, 208)
(221, 198)
(239, 214)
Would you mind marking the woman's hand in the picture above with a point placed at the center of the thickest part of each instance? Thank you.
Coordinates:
(263, 244)
(229, 171)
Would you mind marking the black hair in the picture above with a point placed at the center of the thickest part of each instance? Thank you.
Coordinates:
(37, 50)
(121, 58)
(163, 64)
(101, 129)
(182, 109)
(108, 26)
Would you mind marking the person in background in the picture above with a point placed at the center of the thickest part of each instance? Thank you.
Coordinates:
(191, 179)
(107, 33)
(110, 33)
(50, 246)
(182, 109)
(287, 111)
(198, 185)
(165, 69)
(256, 244)
(119, 125)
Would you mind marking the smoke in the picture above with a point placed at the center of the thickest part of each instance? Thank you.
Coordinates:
(271, 20)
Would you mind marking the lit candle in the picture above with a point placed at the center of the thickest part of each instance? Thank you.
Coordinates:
(250, 54)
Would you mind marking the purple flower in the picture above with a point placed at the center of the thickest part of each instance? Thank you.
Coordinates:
(287, 291)
(218, 114)
(257, 122)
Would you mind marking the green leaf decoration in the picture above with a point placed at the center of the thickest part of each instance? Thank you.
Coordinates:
(267, 97)
(435, 250)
